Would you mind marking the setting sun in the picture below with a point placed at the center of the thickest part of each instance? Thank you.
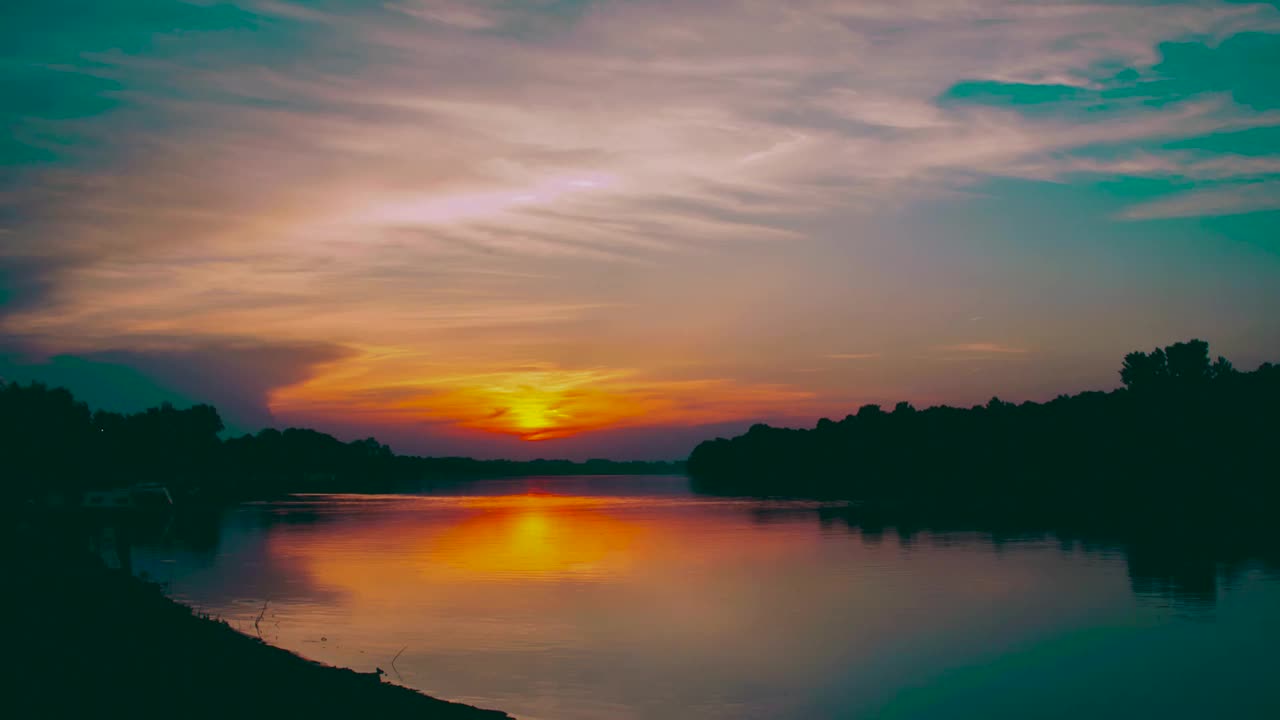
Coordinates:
(542, 414)
(534, 415)
(531, 402)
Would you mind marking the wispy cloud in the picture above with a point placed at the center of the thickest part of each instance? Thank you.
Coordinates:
(1231, 199)
(1172, 164)
(983, 348)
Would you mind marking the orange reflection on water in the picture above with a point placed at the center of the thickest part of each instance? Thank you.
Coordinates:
(529, 577)
(537, 537)
(529, 571)
(449, 541)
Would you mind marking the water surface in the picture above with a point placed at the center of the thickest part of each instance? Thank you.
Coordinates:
(633, 598)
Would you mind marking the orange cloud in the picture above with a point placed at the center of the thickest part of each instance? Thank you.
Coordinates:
(537, 402)
(852, 356)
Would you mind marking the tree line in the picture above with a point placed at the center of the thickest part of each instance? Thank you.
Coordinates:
(52, 443)
(1182, 432)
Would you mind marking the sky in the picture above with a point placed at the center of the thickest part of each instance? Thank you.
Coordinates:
(575, 228)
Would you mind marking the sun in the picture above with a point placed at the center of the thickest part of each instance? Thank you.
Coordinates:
(535, 415)
(533, 403)
(544, 410)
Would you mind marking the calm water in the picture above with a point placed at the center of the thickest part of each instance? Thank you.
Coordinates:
(632, 598)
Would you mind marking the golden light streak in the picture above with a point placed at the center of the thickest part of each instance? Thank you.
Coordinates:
(533, 403)
(539, 537)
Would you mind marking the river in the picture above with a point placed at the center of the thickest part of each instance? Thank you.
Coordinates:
(632, 597)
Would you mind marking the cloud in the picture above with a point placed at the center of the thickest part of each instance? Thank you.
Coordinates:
(236, 374)
(1181, 165)
(540, 401)
(463, 15)
(1232, 199)
(983, 348)
(25, 282)
(852, 356)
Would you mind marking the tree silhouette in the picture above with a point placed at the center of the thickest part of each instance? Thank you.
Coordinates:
(1142, 371)
(1182, 433)
(50, 443)
(1188, 362)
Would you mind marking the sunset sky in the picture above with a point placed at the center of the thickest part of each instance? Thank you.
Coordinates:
(565, 228)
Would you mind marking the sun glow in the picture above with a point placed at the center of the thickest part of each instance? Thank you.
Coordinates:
(536, 415)
(533, 402)
(543, 413)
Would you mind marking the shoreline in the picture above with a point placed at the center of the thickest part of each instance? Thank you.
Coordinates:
(89, 641)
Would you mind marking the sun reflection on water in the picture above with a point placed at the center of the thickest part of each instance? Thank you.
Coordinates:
(538, 538)
(527, 537)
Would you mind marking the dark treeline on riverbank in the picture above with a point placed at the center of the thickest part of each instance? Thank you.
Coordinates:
(52, 443)
(1184, 434)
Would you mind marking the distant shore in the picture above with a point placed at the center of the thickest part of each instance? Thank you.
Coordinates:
(1185, 437)
(87, 641)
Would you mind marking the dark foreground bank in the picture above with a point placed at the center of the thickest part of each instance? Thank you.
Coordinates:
(84, 641)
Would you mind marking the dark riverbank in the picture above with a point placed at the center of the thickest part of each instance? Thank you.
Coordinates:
(87, 641)
(1184, 437)
(55, 446)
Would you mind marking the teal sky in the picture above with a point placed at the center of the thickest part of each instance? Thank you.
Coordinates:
(613, 228)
